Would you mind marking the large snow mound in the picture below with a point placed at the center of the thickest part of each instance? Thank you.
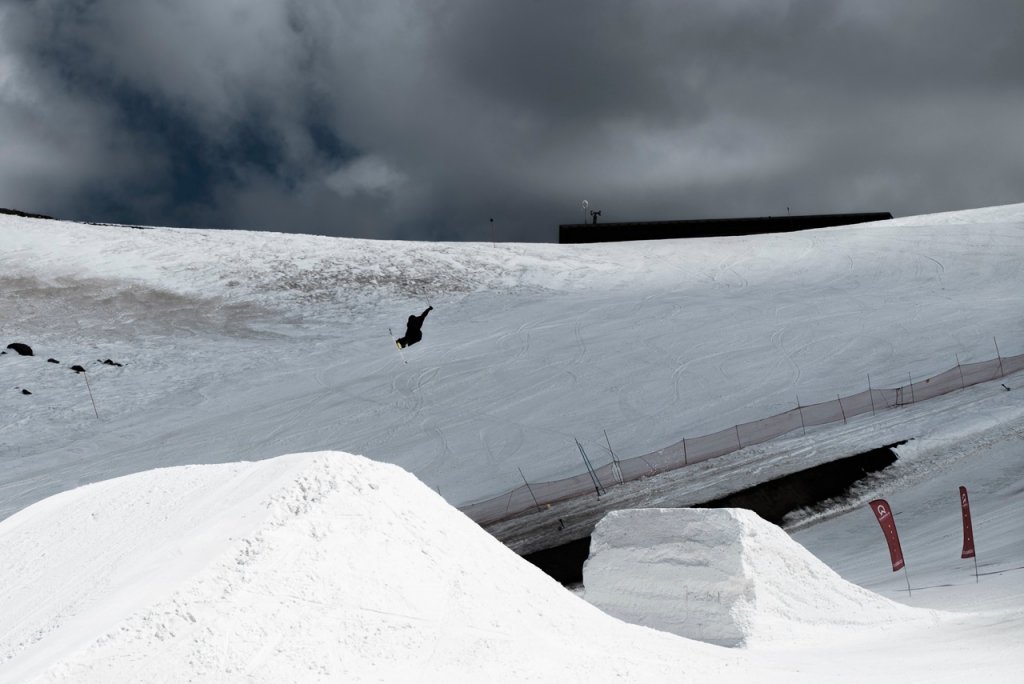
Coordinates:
(309, 567)
(725, 576)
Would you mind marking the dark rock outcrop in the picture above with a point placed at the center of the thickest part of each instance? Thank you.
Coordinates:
(23, 214)
(21, 348)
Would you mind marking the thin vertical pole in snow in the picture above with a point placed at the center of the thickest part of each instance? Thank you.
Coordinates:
(998, 356)
(961, 370)
(685, 458)
(910, 379)
(609, 443)
(616, 470)
(530, 490)
(908, 580)
(88, 387)
(738, 442)
(590, 469)
(801, 410)
(841, 409)
(871, 395)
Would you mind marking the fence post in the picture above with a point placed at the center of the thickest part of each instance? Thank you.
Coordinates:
(960, 369)
(998, 356)
(841, 409)
(531, 492)
(685, 459)
(598, 487)
(88, 387)
(738, 442)
(616, 470)
(801, 410)
(871, 395)
(910, 379)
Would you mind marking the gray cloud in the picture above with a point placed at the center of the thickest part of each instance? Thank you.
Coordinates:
(402, 119)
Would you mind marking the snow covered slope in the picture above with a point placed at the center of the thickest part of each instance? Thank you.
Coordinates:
(264, 344)
(240, 346)
(331, 567)
(309, 567)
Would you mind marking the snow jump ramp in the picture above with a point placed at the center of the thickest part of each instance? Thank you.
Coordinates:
(724, 576)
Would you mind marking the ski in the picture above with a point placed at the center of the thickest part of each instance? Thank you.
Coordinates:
(397, 346)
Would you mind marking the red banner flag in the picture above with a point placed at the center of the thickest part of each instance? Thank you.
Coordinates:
(883, 512)
(965, 507)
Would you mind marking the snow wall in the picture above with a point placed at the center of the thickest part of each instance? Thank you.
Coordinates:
(724, 576)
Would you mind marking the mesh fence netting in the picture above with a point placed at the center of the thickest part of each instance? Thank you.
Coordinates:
(697, 449)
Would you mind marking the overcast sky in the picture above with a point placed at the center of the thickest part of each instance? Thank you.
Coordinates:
(413, 119)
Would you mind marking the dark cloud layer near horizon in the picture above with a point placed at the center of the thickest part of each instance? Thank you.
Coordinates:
(424, 120)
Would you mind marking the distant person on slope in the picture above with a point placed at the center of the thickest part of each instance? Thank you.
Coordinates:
(412, 329)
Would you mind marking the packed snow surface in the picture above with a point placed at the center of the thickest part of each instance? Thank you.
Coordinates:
(723, 576)
(332, 567)
(264, 344)
(194, 513)
(309, 567)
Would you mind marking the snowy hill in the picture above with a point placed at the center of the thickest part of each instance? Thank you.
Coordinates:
(265, 344)
(238, 348)
(311, 567)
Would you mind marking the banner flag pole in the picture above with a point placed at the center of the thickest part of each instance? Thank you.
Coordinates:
(968, 550)
(883, 513)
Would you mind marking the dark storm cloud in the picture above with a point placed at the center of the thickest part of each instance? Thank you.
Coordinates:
(424, 120)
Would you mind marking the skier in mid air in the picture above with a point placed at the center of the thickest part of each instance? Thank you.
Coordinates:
(412, 329)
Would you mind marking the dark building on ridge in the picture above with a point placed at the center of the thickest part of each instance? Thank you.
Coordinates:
(577, 233)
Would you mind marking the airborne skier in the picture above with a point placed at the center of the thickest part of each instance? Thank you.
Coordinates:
(412, 329)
